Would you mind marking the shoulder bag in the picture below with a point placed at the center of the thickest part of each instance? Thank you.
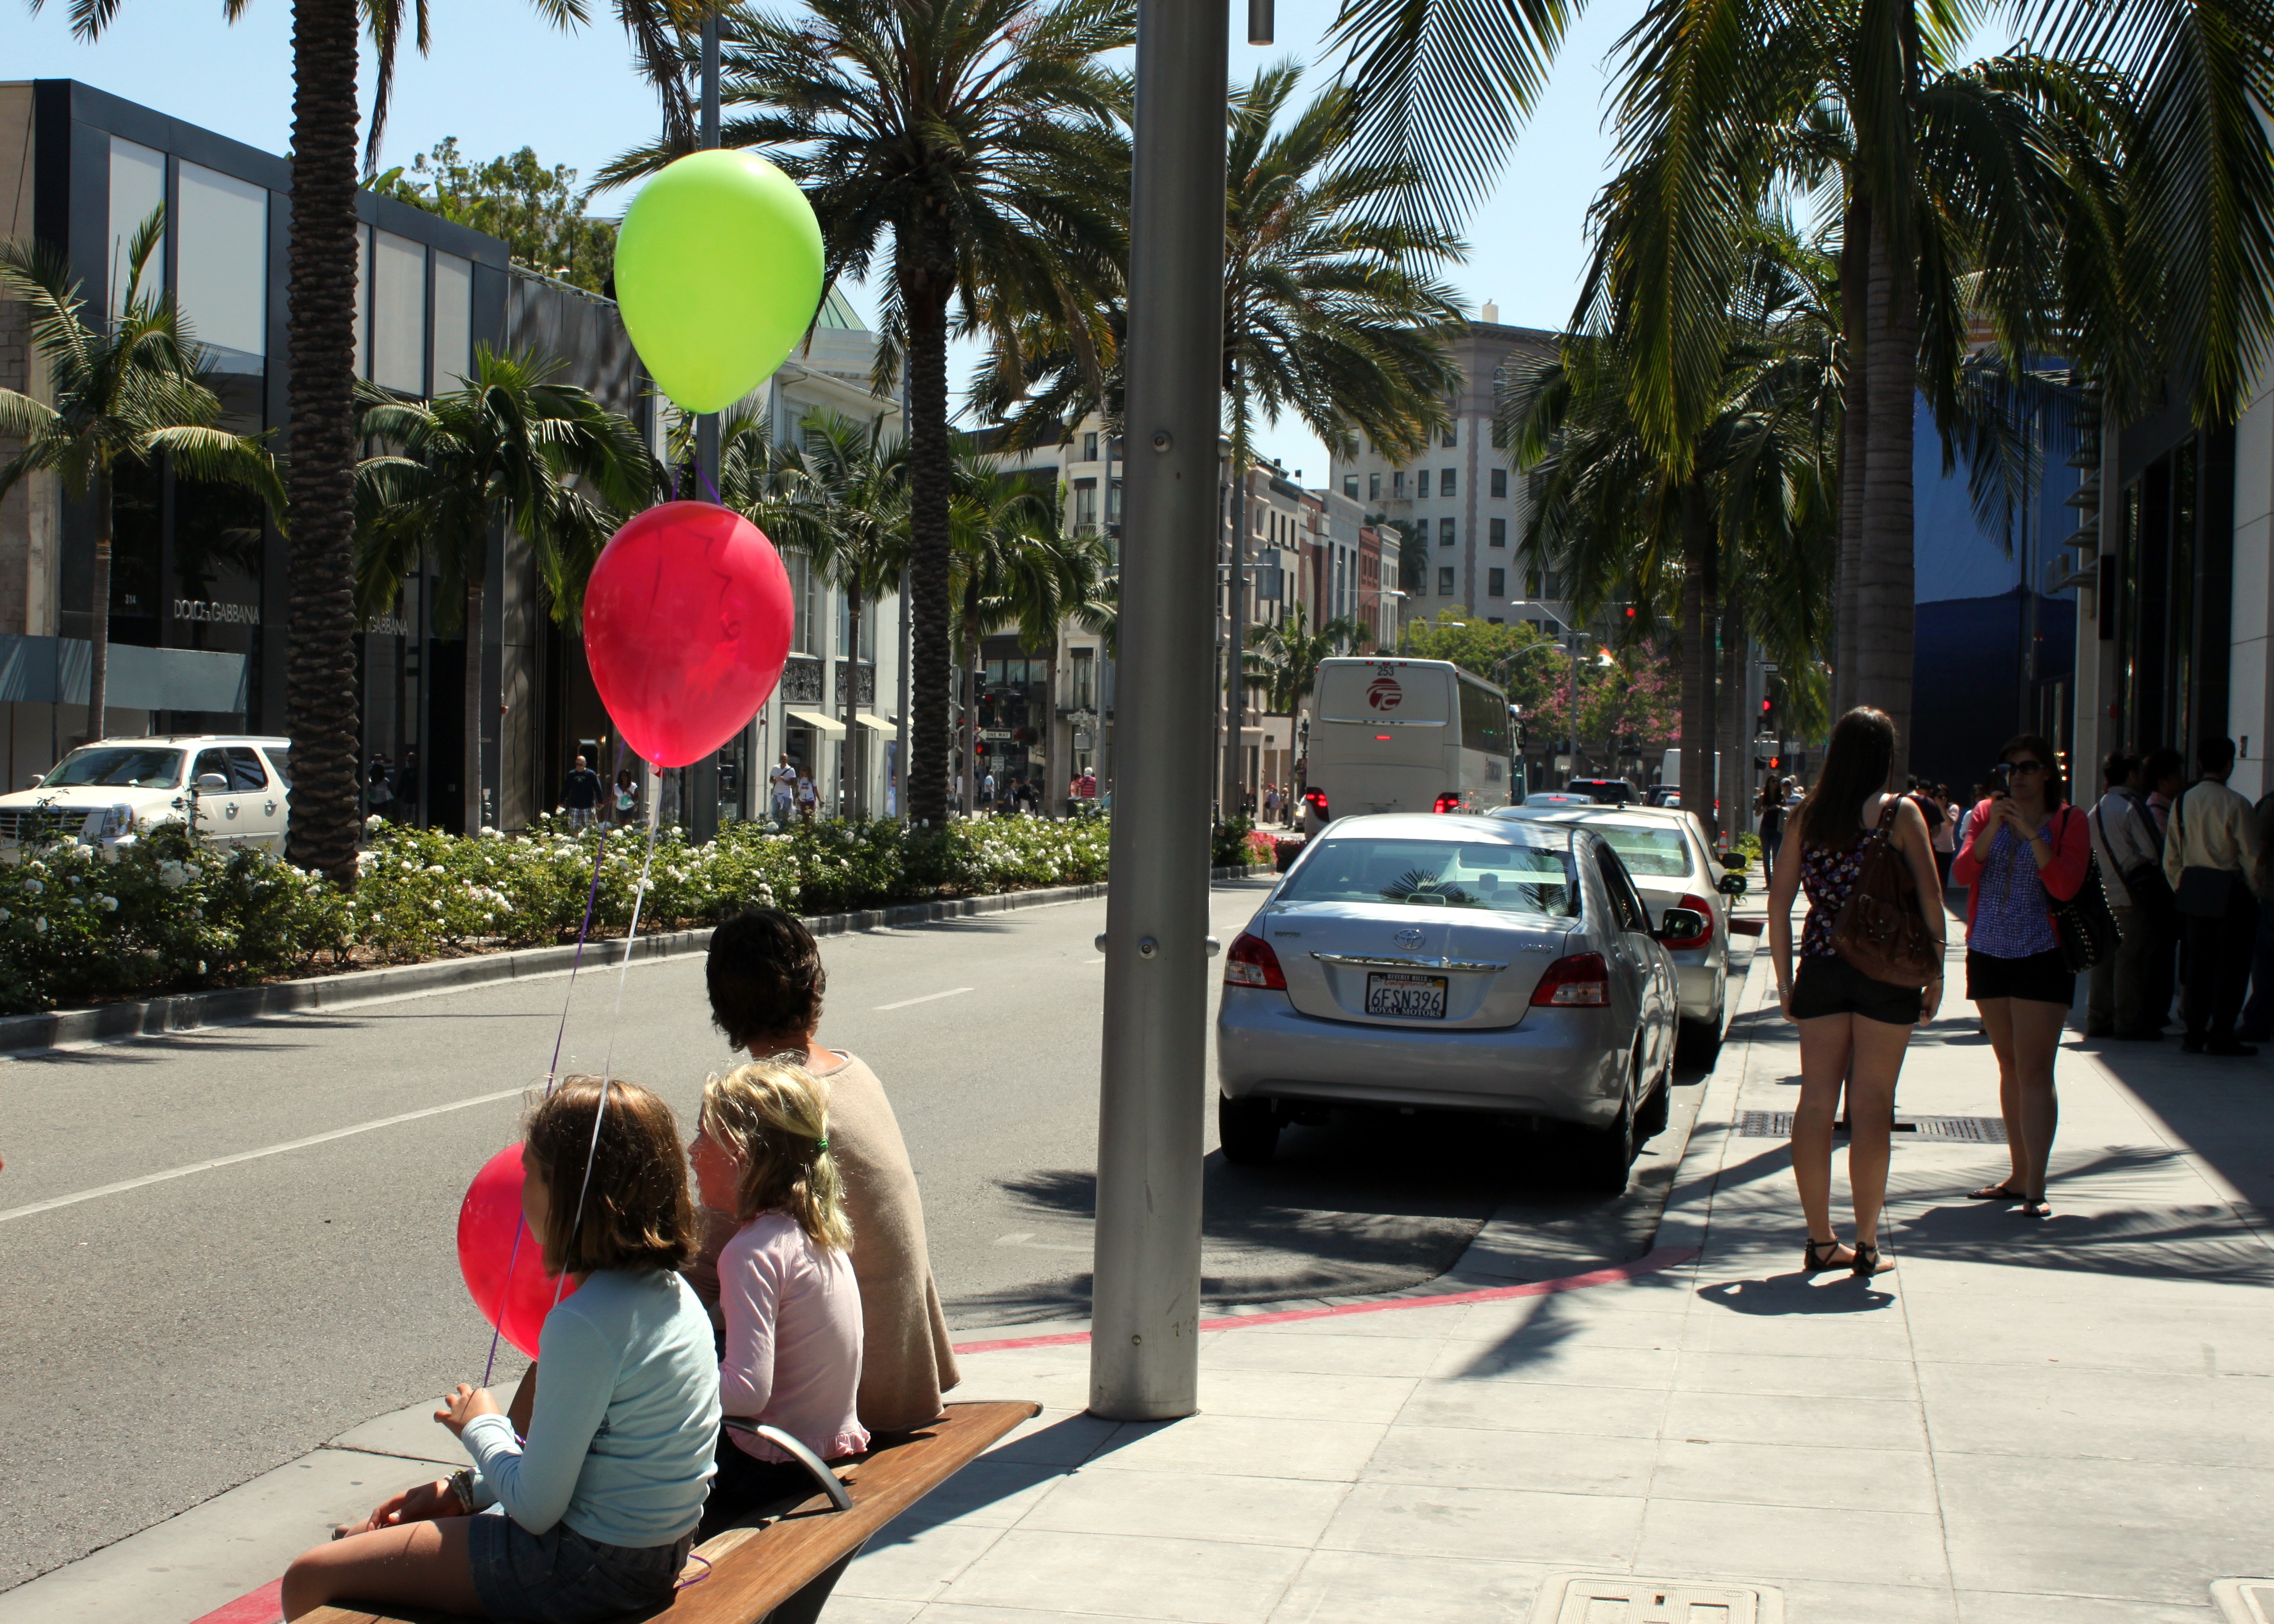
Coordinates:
(2085, 923)
(2143, 882)
(2204, 891)
(1880, 929)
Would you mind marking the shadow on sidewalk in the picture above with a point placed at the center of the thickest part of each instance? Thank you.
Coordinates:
(2221, 1109)
(1798, 1293)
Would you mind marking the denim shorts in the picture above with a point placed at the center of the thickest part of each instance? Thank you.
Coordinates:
(561, 1577)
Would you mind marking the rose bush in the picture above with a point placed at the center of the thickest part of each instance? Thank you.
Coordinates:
(76, 925)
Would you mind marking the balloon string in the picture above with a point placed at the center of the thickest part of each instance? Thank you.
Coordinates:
(607, 1068)
(552, 1075)
(707, 485)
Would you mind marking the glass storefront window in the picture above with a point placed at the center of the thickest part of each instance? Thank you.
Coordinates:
(221, 266)
(398, 326)
(363, 302)
(138, 184)
(454, 320)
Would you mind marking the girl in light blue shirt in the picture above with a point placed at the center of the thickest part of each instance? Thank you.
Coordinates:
(590, 1516)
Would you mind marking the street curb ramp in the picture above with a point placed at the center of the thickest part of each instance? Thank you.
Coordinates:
(112, 1023)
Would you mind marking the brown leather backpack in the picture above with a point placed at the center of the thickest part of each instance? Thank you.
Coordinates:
(1880, 929)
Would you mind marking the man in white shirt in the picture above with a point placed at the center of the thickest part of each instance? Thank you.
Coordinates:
(784, 778)
(2211, 859)
(2124, 839)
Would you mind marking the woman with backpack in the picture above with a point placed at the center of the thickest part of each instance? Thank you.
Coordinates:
(1863, 855)
(2025, 848)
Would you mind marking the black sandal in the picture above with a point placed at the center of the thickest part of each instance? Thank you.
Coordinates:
(1996, 1192)
(1868, 1262)
(1811, 1264)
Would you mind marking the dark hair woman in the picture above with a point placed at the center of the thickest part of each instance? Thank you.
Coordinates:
(2025, 848)
(1769, 809)
(1853, 1029)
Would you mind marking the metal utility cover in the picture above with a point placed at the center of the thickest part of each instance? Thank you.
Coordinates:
(1594, 1598)
(2244, 1601)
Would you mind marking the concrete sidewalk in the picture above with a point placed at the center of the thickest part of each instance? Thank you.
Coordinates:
(2023, 1421)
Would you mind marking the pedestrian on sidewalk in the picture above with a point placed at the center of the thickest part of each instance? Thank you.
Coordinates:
(1771, 812)
(2028, 849)
(627, 797)
(580, 792)
(1946, 833)
(2131, 856)
(1845, 1016)
(2211, 857)
(2257, 1025)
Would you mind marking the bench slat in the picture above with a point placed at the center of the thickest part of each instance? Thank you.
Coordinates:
(754, 1570)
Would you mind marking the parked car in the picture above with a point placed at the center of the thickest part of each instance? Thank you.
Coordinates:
(1557, 798)
(1665, 851)
(1606, 791)
(1663, 795)
(1463, 963)
(238, 785)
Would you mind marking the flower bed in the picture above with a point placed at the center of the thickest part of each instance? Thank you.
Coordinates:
(164, 917)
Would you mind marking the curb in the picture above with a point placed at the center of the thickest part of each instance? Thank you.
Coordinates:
(112, 1023)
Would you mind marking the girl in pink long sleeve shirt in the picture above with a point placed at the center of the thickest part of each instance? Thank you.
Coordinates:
(791, 1308)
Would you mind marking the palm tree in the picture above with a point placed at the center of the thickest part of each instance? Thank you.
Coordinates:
(1286, 658)
(134, 391)
(321, 273)
(851, 506)
(984, 139)
(1014, 566)
(510, 447)
(1748, 499)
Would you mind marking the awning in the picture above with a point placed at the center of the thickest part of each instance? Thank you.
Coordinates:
(874, 722)
(816, 721)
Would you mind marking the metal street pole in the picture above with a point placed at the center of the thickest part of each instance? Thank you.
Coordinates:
(702, 779)
(1144, 1360)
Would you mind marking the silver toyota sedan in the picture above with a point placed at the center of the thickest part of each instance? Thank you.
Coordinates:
(1457, 962)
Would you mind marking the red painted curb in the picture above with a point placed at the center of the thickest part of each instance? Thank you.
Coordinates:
(1650, 1263)
(265, 1605)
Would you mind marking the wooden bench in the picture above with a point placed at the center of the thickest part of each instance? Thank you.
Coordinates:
(780, 1563)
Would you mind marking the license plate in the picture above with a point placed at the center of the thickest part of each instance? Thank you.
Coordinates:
(1410, 998)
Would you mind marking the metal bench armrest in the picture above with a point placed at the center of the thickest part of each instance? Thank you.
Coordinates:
(839, 1496)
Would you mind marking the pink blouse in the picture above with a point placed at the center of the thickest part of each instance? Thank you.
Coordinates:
(793, 1313)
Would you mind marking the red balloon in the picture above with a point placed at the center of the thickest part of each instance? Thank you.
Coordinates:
(504, 1263)
(687, 623)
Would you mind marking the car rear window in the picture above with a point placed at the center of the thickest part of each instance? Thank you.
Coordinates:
(1658, 853)
(1437, 873)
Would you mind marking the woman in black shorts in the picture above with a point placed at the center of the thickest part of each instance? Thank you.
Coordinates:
(1853, 1029)
(2024, 847)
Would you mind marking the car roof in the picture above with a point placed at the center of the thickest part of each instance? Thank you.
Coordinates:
(1617, 817)
(1474, 827)
(183, 739)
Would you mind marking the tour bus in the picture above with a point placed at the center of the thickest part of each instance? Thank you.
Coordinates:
(1400, 735)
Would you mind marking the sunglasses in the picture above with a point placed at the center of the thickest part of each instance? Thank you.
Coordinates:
(2026, 766)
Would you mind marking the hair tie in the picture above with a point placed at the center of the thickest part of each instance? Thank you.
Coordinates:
(821, 1144)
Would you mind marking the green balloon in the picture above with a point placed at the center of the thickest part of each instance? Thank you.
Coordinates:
(718, 275)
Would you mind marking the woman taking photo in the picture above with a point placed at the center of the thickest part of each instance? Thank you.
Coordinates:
(2025, 849)
(1852, 1028)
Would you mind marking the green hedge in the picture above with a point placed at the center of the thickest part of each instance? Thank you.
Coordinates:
(163, 917)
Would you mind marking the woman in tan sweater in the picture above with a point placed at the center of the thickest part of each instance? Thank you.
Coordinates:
(767, 983)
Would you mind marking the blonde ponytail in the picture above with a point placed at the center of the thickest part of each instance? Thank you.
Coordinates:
(773, 1117)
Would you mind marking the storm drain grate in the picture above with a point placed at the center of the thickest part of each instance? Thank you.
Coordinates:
(1588, 1598)
(1969, 1130)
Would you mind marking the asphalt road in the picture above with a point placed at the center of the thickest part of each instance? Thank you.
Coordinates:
(163, 1342)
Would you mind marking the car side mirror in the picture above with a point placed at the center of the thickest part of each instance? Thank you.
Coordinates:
(1681, 924)
(212, 783)
(39, 778)
(1736, 863)
(1731, 885)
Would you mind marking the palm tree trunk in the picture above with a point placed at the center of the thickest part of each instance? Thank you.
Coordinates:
(320, 673)
(98, 676)
(925, 281)
(474, 767)
(1737, 747)
(1699, 590)
(851, 796)
(1855, 279)
(1885, 579)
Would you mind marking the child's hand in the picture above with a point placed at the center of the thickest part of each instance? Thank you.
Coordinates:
(463, 1405)
(421, 1502)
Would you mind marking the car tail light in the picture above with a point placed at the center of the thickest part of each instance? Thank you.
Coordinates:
(1581, 979)
(1705, 910)
(1252, 963)
(1450, 802)
(1316, 799)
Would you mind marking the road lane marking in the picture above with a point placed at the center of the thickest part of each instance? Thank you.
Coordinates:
(125, 1184)
(927, 999)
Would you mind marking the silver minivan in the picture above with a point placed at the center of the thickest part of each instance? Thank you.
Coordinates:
(1457, 963)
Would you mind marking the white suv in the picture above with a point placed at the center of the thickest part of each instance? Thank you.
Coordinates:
(239, 785)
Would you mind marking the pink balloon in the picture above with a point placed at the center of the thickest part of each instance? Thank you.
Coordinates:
(503, 1262)
(687, 623)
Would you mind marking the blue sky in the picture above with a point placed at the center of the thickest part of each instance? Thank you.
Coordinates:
(498, 78)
